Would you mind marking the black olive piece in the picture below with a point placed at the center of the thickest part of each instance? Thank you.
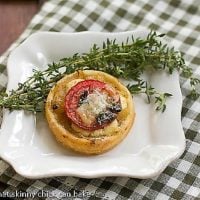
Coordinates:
(115, 107)
(83, 97)
(105, 117)
(54, 107)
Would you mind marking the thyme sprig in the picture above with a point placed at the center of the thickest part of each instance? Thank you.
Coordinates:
(128, 60)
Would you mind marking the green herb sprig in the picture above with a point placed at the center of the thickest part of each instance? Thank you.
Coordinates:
(128, 60)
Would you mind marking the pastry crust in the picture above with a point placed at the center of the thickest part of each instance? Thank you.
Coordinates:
(74, 137)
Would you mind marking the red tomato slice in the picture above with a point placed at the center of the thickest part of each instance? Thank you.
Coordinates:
(79, 93)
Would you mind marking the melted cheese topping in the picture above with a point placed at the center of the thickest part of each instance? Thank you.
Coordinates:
(94, 99)
(123, 102)
(111, 129)
(95, 104)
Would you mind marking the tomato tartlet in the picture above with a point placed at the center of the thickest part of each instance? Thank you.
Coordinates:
(89, 111)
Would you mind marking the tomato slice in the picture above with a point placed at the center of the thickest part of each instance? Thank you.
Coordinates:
(100, 101)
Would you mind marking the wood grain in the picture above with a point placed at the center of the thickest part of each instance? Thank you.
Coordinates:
(14, 17)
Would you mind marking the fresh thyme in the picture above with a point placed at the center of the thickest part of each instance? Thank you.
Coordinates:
(128, 60)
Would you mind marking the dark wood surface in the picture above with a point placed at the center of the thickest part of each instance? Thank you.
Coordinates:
(14, 17)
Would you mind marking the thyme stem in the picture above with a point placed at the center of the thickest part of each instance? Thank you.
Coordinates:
(127, 60)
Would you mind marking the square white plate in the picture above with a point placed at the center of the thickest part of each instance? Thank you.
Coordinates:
(27, 144)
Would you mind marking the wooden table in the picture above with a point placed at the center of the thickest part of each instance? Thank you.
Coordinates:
(14, 17)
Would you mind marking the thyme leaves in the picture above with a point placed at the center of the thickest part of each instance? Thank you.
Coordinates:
(128, 60)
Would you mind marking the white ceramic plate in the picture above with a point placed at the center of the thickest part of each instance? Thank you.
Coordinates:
(27, 144)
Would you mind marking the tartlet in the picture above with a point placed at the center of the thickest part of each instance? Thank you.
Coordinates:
(100, 136)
